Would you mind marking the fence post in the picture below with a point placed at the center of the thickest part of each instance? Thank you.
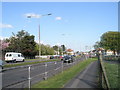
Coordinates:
(29, 82)
(55, 65)
(73, 61)
(104, 73)
(45, 77)
(76, 61)
(100, 70)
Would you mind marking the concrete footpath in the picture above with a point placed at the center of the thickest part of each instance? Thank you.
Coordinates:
(88, 78)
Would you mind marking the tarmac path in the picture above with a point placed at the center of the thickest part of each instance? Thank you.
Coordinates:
(88, 78)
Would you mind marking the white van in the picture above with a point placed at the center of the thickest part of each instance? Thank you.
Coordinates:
(13, 56)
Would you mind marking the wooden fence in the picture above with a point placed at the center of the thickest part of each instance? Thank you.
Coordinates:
(103, 80)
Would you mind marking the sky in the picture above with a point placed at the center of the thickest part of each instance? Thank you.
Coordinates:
(77, 25)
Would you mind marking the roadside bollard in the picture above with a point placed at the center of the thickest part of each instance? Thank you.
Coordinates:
(55, 68)
(55, 65)
(45, 77)
(75, 61)
(29, 82)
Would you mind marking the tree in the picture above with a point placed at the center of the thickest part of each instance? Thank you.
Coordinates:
(111, 41)
(22, 42)
(55, 48)
(97, 45)
(28, 46)
(45, 49)
(58, 49)
(49, 50)
(3, 45)
(63, 48)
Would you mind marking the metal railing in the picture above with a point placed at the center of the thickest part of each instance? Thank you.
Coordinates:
(103, 80)
(30, 77)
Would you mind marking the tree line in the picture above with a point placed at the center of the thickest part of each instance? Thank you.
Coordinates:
(109, 41)
(24, 43)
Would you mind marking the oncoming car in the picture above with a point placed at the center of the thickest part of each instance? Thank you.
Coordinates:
(68, 59)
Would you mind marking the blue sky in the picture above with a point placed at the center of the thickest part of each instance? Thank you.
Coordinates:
(75, 24)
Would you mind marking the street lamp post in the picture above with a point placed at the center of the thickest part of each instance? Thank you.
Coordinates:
(39, 40)
(39, 31)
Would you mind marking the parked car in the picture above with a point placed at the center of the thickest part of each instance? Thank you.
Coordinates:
(74, 55)
(51, 57)
(61, 57)
(68, 58)
(13, 56)
(92, 55)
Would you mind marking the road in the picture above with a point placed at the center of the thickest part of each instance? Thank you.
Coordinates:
(18, 78)
(85, 79)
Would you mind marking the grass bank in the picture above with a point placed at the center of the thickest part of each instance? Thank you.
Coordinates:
(59, 80)
(35, 59)
(112, 74)
(28, 63)
(111, 57)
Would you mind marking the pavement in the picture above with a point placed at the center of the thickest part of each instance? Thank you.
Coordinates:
(88, 78)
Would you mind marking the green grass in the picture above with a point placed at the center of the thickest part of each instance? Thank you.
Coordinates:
(112, 74)
(31, 59)
(35, 59)
(78, 56)
(28, 63)
(59, 80)
(111, 58)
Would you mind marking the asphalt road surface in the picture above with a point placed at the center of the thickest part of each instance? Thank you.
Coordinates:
(18, 78)
(85, 79)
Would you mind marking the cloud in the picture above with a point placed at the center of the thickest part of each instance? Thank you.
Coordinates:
(5, 26)
(2, 38)
(32, 15)
(58, 18)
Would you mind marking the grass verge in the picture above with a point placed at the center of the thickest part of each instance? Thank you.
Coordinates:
(112, 74)
(59, 80)
(28, 63)
(35, 59)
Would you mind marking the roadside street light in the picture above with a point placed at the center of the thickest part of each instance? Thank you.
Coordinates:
(30, 16)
